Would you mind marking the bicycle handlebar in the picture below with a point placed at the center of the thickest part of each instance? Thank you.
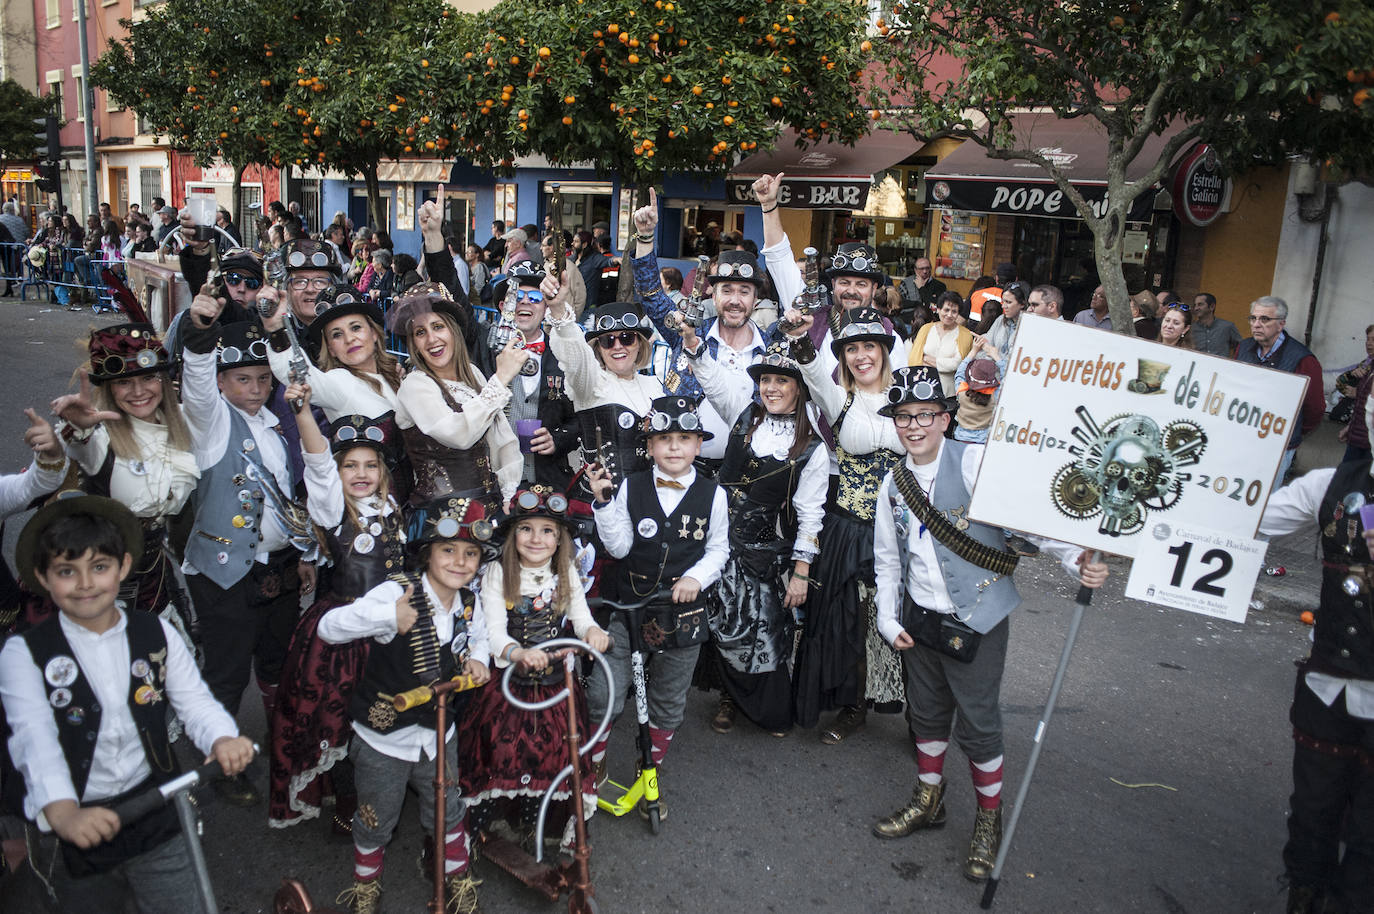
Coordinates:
(147, 801)
(413, 698)
(664, 595)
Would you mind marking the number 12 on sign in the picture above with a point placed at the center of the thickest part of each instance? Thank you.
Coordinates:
(1196, 569)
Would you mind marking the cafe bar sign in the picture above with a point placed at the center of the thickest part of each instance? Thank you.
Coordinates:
(842, 193)
(1021, 198)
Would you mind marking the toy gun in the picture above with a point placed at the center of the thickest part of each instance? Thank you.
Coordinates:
(505, 329)
(274, 267)
(560, 253)
(693, 314)
(811, 296)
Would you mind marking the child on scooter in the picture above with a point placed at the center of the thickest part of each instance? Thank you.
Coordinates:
(669, 528)
(509, 756)
(349, 497)
(85, 735)
(424, 626)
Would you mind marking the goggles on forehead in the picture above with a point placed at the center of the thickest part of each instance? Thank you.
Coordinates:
(923, 390)
(297, 260)
(778, 360)
(350, 433)
(864, 329)
(254, 351)
(451, 528)
(343, 298)
(555, 503)
(628, 321)
(235, 278)
(742, 270)
(843, 261)
(140, 361)
(662, 422)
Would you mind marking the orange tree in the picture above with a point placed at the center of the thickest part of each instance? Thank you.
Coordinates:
(1258, 82)
(209, 77)
(643, 88)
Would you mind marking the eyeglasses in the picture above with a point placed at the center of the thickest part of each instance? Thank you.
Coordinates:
(1261, 319)
(533, 296)
(234, 278)
(298, 259)
(350, 433)
(628, 321)
(302, 282)
(140, 361)
(662, 422)
(922, 390)
(626, 338)
(254, 351)
(450, 528)
(528, 500)
(924, 420)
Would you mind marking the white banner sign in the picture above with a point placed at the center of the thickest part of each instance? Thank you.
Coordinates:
(1098, 436)
(1196, 569)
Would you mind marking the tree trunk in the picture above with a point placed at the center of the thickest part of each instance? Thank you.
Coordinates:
(237, 198)
(374, 198)
(625, 286)
(1108, 237)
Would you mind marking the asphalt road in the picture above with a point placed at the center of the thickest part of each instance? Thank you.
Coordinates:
(1162, 786)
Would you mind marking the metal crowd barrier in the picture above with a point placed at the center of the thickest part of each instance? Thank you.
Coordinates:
(74, 279)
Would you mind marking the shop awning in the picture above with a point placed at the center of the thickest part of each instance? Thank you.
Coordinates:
(968, 179)
(820, 175)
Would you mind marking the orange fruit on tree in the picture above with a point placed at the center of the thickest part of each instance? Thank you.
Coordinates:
(633, 58)
(569, 99)
(545, 53)
(567, 120)
(696, 90)
(1360, 97)
(727, 120)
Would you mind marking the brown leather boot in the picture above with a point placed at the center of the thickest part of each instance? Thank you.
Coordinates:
(926, 810)
(724, 721)
(362, 897)
(982, 850)
(848, 722)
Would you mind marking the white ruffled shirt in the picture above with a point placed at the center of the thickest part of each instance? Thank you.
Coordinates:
(154, 484)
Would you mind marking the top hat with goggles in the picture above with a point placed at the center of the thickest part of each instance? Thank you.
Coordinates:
(524, 273)
(620, 315)
(241, 345)
(538, 501)
(359, 431)
(859, 325)
(452, 517)
(737, 266)
(309, 254)
(854, 258)
(674, 414)
(126, 351)
(914, 384)
(777, 359)
(340, 300)
(419, 300)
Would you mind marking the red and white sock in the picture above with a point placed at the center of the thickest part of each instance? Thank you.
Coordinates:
(599, 749)
(930, 760)
(658, 741)
(987, 780)
(456, 849)
(367, 863)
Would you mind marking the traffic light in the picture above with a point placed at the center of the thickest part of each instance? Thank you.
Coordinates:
(47, 180)
(47, 139)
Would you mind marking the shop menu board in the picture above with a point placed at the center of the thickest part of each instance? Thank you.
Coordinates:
(959, 245)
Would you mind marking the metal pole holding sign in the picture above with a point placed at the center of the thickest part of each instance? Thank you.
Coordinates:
(1085, 596)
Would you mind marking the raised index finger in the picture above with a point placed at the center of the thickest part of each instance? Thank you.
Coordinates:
(653, 198)
(439, 198)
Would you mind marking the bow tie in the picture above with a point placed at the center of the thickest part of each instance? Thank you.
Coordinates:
(537, 348)
(668, 484)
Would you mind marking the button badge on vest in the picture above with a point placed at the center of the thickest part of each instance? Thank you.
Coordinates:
(60, 670)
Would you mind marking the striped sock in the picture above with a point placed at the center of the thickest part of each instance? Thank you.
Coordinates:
(930, 760)
(659, 740)
(456, 849)
(599, 749)
(367, 863)
(987, 780)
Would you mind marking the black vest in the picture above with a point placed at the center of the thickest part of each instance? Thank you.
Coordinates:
(760, 488)
(77, 712)
(622, 451)
(364, 558)
(1343, 638)
(530, 626)
(664, 546)
(398, 666)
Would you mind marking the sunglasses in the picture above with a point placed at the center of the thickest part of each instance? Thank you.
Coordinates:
(530, 295)
(235, 278)
(350, 433)
(301, 282)
(450, 528)
(556, 502)
(1176, 306)
(143, 360)
(298, 259)
(254, 351)
(628, 321)
(626, 338)
(662, 422)
(924, 420)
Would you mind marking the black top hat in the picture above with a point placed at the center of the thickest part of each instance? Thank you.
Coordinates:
(857, 325)
(674, 414)
(241, 345)
(854, 258)
(737, 266)
(538, 501)
(526, 272)
(425, 298)
(451, 517)
(309, 254)
(915, 384)
(243, 260)
(620, 315)
(357, 431)
(65, 504)
(126, 351)
(777, 359)
(340, 300)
